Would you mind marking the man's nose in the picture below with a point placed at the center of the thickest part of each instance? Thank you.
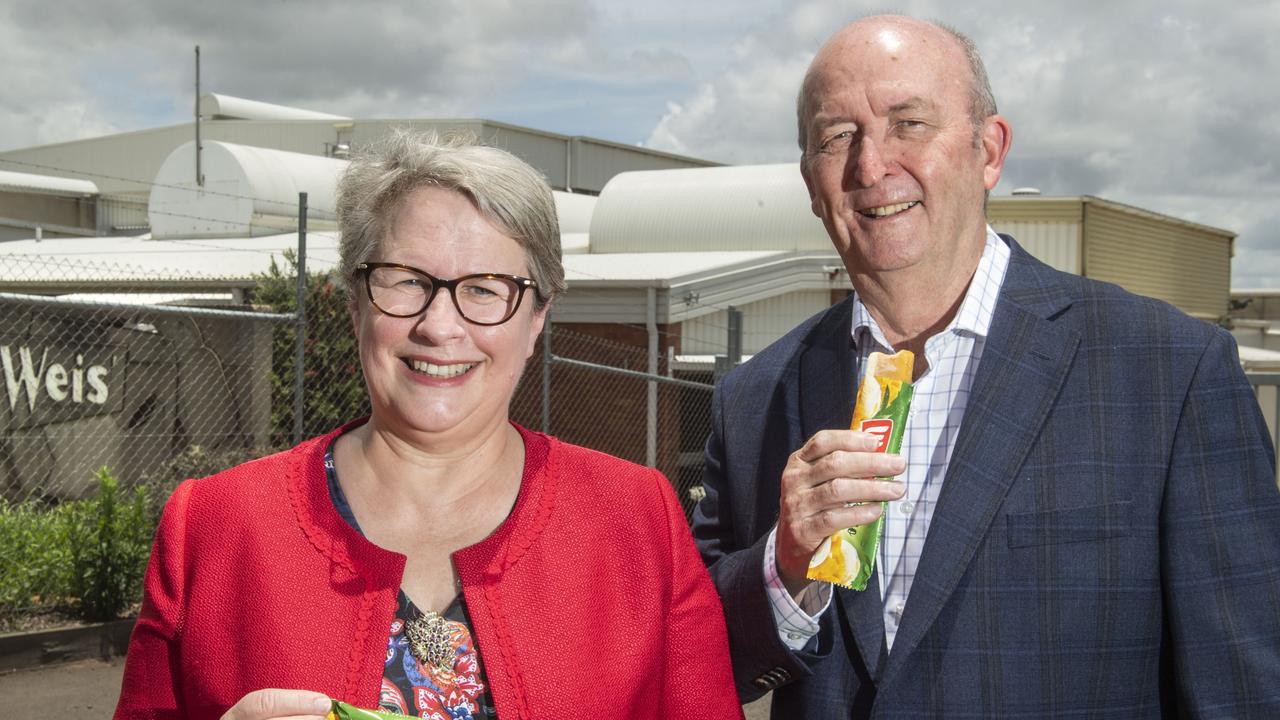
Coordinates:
(867, 163)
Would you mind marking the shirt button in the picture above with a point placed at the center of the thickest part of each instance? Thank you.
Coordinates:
(794, 636)
(906, 507)
(898, 609)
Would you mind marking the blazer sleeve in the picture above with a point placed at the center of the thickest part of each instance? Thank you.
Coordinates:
(699, 679)
(152, 672)
(1220, 526)
(755, 647)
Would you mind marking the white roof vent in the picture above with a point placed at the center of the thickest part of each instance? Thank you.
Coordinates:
(46, 184)
(1025, 191)
(225, 107)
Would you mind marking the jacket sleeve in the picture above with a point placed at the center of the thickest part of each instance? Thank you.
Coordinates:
(152, 670)
(760, 659)
(699, 678)
(1220, 527)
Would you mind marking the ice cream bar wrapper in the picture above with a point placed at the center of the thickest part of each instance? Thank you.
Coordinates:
(343, 711)
(848, 557)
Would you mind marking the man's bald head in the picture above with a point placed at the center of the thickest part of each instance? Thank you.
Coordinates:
(982, 102)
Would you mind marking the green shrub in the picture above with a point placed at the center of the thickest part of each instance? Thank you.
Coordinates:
(109, 541)
(334, 391)
(35, 559)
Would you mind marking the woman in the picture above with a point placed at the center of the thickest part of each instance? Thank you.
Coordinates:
(435, 559)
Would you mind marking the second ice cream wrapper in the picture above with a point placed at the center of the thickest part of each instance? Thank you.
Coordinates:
(848, 557)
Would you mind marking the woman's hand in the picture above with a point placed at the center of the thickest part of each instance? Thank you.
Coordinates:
(273, 704)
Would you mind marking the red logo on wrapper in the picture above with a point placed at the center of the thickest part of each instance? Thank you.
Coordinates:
(882, 428)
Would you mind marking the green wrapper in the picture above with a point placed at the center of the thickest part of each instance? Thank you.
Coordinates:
(343, 711)
(848, 557)
(865, 539)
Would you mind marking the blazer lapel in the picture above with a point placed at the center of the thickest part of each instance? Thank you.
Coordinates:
(826, 377)
(826, 382)
(1025, 350)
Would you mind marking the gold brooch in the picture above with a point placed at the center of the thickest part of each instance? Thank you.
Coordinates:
(430, 641)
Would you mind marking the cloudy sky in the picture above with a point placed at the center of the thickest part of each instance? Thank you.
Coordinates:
(1172, 105)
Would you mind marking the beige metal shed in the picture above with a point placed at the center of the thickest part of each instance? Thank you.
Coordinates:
(1183, 263)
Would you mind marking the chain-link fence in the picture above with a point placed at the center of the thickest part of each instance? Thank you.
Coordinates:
(597, 392)
(157, 390)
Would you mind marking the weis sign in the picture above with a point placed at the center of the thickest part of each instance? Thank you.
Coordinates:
(30, 376)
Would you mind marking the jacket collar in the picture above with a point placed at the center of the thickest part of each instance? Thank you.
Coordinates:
(353, 555)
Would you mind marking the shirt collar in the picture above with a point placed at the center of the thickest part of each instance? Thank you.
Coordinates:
(977, 309)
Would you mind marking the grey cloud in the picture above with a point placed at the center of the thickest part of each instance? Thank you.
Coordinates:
(1167, 105)
(390, 58)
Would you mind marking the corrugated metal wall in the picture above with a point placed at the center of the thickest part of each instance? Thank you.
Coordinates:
(1056, 244)
(1047, 227)
(762, 323)
(1187, 266)
(595, 162)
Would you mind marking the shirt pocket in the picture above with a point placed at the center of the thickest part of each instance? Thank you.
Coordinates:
(1069, 525)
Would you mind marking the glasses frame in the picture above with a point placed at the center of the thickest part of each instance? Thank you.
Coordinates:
(522, 284)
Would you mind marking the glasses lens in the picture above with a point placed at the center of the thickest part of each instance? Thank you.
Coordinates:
(486, 299)
(398, 292)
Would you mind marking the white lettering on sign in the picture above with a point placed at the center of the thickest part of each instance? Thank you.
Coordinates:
(23, 375)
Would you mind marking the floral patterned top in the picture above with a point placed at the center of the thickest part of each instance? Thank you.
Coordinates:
(410, 687)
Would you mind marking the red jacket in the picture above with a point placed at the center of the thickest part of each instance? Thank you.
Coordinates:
(588, 601)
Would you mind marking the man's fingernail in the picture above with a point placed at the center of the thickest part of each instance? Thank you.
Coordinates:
(323, 706)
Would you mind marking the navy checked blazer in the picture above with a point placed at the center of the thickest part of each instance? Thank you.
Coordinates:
(1106, 543)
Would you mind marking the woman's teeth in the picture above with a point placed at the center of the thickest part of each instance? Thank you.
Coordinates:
(440, 371)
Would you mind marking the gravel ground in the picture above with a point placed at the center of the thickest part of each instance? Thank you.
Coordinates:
(89, 688)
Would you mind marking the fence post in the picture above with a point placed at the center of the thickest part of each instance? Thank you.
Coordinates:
(300, 332)
(734, 349)
(733, 346)
(546, 374)
(651, 416)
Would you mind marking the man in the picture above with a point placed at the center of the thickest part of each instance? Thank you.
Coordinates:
(1084, 520)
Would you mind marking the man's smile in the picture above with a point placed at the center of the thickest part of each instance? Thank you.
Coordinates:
(887, 210)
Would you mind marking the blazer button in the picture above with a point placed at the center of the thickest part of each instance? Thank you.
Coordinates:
(771, 679)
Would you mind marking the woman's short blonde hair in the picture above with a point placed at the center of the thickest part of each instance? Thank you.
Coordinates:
(505, 189)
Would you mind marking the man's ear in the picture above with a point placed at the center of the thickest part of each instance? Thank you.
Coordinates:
(808, 185)
(997, 138)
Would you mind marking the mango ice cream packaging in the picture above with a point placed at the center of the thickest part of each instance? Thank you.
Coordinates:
(848, 557)
(343, 711)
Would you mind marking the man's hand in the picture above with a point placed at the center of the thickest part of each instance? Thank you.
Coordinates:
(273, 704)
(822, 479)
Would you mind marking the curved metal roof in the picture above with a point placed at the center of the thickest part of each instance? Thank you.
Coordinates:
(250, 191)
(745, 207)
(247, 191)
